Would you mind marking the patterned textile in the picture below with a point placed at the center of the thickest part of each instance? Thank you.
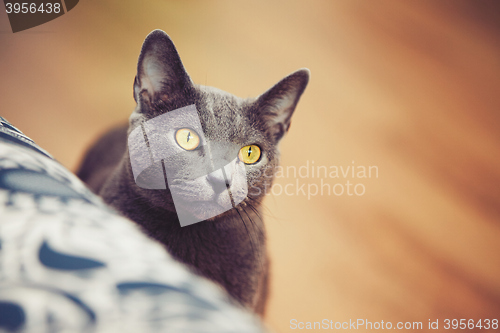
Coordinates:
(68, 263)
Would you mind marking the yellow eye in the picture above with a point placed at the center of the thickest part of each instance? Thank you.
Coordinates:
(187, 138)
(249, 154)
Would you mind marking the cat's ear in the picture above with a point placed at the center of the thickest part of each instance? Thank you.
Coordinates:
(276, 106)
(160, 73)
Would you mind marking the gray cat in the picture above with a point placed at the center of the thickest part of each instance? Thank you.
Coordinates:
(229, 248)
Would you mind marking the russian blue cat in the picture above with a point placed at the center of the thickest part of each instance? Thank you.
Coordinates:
(229, 247)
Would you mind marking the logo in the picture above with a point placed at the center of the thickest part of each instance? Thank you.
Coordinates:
(28, 14)
(205, 178)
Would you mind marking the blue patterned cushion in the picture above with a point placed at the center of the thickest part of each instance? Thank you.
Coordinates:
(69, 263)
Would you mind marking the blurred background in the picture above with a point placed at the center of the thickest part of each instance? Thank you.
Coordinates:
(410, 87)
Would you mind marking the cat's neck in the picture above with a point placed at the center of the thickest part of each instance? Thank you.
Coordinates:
(229, 249)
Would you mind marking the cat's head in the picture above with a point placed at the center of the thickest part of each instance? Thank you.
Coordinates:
(216, 149)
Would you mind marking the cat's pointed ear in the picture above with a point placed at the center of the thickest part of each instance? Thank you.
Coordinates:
(160, 73)
(276, 106)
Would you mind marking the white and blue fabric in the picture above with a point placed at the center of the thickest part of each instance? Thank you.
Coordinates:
(68, 263)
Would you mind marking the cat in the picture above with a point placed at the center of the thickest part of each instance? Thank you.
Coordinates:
(229, 248)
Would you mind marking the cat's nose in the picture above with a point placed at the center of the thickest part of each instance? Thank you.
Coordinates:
(218, 181)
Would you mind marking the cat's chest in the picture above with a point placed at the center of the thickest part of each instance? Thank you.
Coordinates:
(228, 256)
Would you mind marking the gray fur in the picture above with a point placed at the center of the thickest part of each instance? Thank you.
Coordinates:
(230, 248)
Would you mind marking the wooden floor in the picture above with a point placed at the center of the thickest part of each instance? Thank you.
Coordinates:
(411, 88)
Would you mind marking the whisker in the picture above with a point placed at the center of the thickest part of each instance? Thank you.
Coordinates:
(248, 216)
(259, 257)
(267, 212)
(249, 237)
(255, 211)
